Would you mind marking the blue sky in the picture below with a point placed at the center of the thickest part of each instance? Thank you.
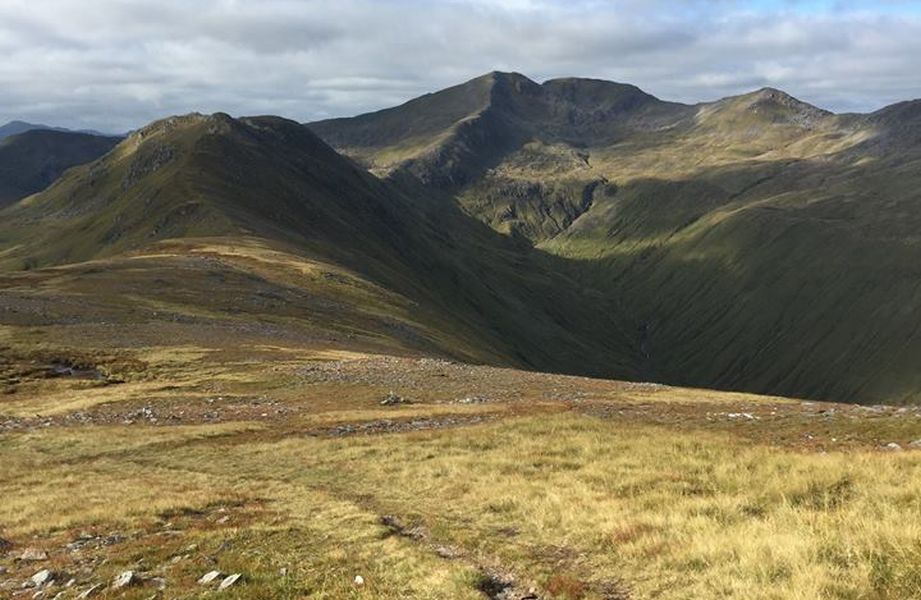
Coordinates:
(127, 62)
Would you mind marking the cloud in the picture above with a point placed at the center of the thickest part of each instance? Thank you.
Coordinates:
(117, 64)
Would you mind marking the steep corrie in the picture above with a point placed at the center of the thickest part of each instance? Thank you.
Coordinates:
(755, 243)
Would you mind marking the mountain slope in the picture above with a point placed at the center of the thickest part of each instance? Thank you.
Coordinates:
(283, 198)
(755, 243)
(31, 161)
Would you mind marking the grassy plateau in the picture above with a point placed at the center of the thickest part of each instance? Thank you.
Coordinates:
(276, 459)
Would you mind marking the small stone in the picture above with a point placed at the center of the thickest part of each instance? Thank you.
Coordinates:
(223, 520)
(209, 577)
(43, 577)
(446, 552)
(472, 400)
(393, 523)
(283, 571)
(33, 554)
(893, 447)
(229, 581)
(90, 591)
(125, 579)
(392, 399)
(158, 582)
(359, 580)
(915, 444)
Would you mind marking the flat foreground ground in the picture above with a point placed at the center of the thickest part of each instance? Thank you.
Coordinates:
(279, 462)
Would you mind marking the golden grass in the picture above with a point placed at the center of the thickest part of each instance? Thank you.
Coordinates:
(673, 515)
(67, 399)
(566, 502)
(574, 505)
(53, 479)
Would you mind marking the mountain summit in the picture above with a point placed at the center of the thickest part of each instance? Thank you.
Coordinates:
(450, 137)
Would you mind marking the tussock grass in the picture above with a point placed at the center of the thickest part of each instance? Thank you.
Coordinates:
(572, 504)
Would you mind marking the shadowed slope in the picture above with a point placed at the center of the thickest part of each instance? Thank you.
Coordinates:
(31, 161)
(476, 295)
(755, 243)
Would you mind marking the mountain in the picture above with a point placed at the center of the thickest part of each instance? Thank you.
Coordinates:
(451, 137)
(256, 222)
(756, 242)
(32, 160)
(753, 243)
(17, 127)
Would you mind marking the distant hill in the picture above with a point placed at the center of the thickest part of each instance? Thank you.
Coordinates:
(755, 242)
(17, 127)
(32, 160)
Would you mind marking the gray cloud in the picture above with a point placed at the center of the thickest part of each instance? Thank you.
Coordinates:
(116, 64)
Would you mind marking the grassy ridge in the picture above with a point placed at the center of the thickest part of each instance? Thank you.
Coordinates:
(278, 194)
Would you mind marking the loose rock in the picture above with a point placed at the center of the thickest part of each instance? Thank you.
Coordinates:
(359, 580)
(90, 591)
(229, 581)
(472, 400)
(33, 554)
(42, 578)
(893, 447)
(446, 552)
(392, 399)
(210, 577)
(125, 579)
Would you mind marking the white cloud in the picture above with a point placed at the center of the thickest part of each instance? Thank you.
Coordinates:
(116, 64)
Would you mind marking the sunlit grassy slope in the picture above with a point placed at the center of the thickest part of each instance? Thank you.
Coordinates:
(754, 243)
